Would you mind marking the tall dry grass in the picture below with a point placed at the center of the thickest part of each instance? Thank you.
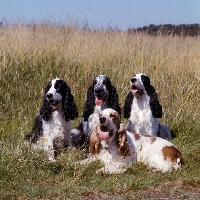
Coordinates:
(30, 56)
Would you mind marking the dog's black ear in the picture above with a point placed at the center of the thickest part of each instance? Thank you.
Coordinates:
(113, 100)
(146, 81)
(69, 105)
(47, 88)
(127, 105)
(45, 110)
(155, 106)
(89, 104)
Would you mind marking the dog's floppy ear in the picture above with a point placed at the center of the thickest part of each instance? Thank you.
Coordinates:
(122, 142)
(89, 104)
(127, 105)
(95, 145)
(155, 106)
(115, 118)
(45, 110)
(113, 99)
(70, 108)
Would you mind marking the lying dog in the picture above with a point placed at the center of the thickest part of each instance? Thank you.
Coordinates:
(118, 149)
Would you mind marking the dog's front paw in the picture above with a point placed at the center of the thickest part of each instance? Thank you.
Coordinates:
(112, 169)
(102, 171)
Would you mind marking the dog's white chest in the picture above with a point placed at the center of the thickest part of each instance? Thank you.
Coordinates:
(55, 126)
(99, 109)
(140, 109)
(141, 120)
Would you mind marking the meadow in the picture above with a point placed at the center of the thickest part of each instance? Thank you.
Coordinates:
(31, 55)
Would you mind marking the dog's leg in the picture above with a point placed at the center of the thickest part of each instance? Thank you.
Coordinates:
(130, 127)
(87, 160)
(78, 136)
(47, 145)
(164, 132)
(51, 155)
(113, 168)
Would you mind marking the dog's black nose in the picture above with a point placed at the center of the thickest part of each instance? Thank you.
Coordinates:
(102, 120)
(98, 90)
(49, 95)
(133, 80)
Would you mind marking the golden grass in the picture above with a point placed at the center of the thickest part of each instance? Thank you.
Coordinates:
(42, 52)
(30, 56)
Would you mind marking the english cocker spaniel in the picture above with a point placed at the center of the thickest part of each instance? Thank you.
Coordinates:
(142, 109)
(52, 127)
(118, 149)
(102, 94)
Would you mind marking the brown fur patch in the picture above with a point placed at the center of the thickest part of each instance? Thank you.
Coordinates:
(153, 139)
(95, 145)
(172, 153)
(116, 119)
(137, 136)
(147, 135)
(122, 143)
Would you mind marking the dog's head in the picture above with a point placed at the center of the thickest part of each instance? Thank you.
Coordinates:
(58, 96)
(54, 92)
(139, 84)
(101, 85)
(103, 94)
(109, 130)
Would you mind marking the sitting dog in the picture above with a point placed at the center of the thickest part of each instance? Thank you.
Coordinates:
(52, 128)
(102, 94)
(117, 149)
(142, 109)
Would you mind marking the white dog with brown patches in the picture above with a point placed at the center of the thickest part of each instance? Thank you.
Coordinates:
(117, 148)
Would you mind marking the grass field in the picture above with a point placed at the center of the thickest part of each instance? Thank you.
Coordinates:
(30, 56)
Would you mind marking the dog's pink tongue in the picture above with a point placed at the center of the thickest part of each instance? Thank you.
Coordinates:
(98, 102)
(134, 91)
(103, 135)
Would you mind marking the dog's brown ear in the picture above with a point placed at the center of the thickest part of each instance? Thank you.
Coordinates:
(95, 145)
(122, 142)
(115, 118)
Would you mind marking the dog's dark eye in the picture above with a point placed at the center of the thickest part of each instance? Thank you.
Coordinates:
(57, 85)
(104, 82)
(111, 115)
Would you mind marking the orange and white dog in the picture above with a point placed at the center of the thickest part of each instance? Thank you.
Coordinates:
(118, 149)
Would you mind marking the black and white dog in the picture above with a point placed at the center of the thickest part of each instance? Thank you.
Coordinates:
(101, 95)
(142, 109)
(52, 128)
